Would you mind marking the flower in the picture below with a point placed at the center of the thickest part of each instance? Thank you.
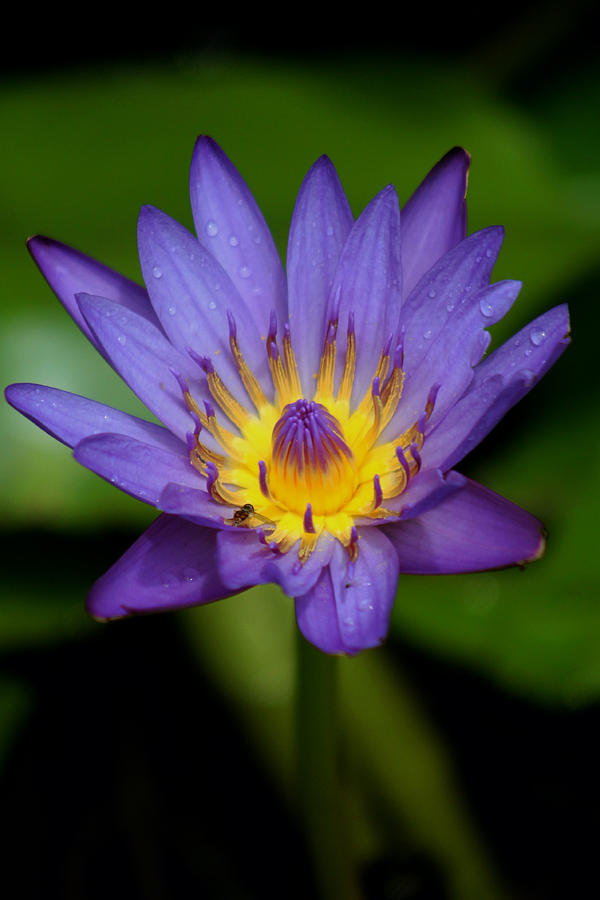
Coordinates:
(311, 426)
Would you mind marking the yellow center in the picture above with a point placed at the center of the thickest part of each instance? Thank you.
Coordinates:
(295, 468)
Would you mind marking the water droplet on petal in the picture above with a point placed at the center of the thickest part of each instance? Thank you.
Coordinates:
(450, 307)
(431, 293)
(486, 308)
(245, 271)
(171, 310)
(212, 228)
(528, 351)
(122, 339)
(489, 253)
(537, 336)
(233, 241)
(212, 304)
(427, 334)
(190, 574)
(157, 272)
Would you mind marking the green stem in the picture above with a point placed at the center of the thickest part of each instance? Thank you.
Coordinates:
(317, 774)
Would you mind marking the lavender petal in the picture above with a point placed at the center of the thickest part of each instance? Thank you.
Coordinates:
(172, 565)
(368, 284)
(144, 359)
(472, 530)
(70, 272)
(435, 218)
(244, 560)
(320, 225)
(502, 379)
(349, 607)
(139, 469)
(70, 418)
(192, 296)
(231, 226)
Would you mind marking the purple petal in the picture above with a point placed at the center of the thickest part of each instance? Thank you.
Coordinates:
(368, 284)
(244, 560)
(70, 418)
(502, 379)
(144, 358)
(231, 226)
(69, 272)
(425, 491)
(435, 218)
(139, 469)
(172, 565)
(320, 225)
(470, 531)
(192, 294)
(452, 351)
(193, 503)
(349, 607)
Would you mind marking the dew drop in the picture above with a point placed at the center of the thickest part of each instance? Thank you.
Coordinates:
(431, 293)
(537, 336)
(171, 310)
(528, 351)
(190, 574)
(212, 304)
(233, 241)
(468, 288)
(212, 228)
(244, 271)
(450, 307)
(427, 334)
(486, 308)
(489, 253)
(157, 272)
(122, 339)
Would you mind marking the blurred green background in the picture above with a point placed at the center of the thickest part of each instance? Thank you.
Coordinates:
(153, 758)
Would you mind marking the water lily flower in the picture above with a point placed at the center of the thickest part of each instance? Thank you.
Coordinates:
(310, 423)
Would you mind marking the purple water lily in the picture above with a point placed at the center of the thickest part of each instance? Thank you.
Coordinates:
(311, 424)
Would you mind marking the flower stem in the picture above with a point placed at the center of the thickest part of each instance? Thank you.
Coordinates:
(317, 774)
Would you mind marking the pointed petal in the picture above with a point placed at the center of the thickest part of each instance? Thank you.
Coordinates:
(244, 560)
(70, 418)
(368, 285)
(502, 379)
(320, 225)
(69, 272)
(143, 357)
(138, 469)
(470, 531)
(435, 218)
(231, 226)
(445, 321)
(348, 609)
(192, 294)
(172, 565)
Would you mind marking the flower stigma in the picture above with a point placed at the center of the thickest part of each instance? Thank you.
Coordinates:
(295, 468)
